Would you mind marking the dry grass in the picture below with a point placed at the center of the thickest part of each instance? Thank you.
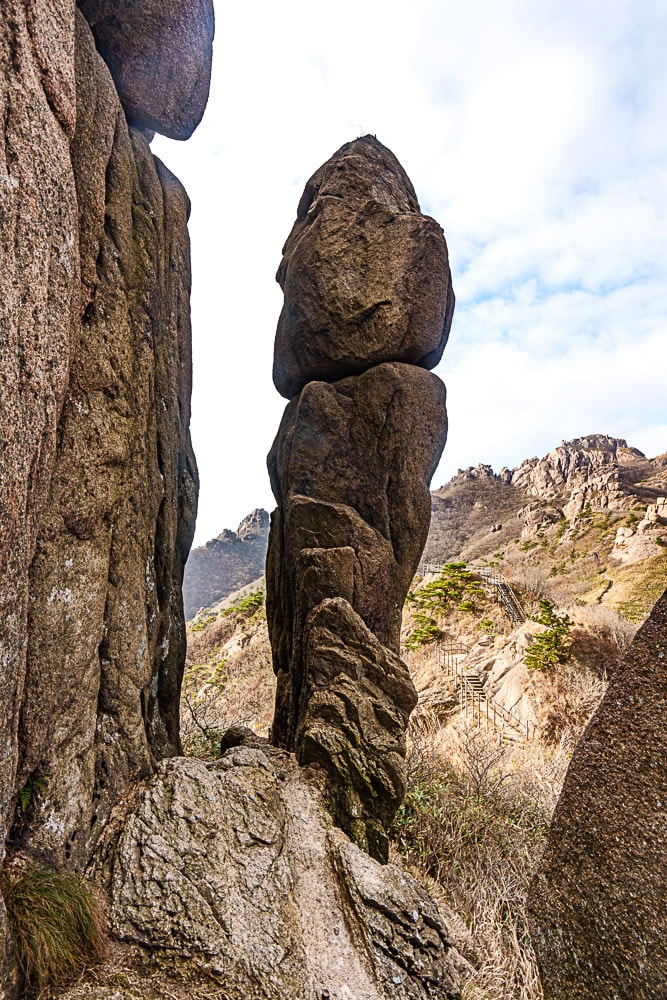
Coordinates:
(228, 678)
(55, 921)
(474, 823)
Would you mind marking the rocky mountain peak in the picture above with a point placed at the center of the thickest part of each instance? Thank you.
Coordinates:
(584, 472)
(254, 525)
(226, 563)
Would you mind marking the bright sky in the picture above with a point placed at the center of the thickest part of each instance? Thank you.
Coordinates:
(535, 132)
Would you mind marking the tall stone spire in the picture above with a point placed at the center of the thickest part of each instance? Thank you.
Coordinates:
(368, 307)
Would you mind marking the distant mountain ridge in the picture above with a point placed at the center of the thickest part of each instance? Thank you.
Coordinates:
(481, 514)
(226, 563)
(478, 509)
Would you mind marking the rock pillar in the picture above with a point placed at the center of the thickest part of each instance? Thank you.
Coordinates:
(98, 483)
(368, 307)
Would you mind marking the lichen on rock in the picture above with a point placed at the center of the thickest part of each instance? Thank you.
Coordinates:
(235, 868)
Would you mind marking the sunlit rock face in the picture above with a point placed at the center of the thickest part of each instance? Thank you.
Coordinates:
(368, 305)
(234, 868)
(597, 904)
(365, 275)
(98, 484)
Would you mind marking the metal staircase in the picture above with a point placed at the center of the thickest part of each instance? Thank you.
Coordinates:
(452, 656)
(503, 591)
(473, 700)
(494, 582)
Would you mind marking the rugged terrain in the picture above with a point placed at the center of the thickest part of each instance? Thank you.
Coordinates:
(581, 529)
(226, 563)
(584, 524)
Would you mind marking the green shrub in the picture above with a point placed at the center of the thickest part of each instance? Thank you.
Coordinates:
(246, 608)
(455, 588)
(553, 646)
(199, 624)
(55, 922)
(425, 630)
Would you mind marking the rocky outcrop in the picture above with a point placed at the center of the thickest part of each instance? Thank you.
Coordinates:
(583, 473)
(98, 486)
(105, 606)
(159, 55)
(226, 563)
(599, 923)
(234, 868)
(365, 275)
(355, 692)
(478, 510)
(367, 289)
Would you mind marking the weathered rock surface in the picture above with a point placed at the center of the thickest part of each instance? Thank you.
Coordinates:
(598, 905)
(368, 307)
(226, 563)
(356, 700)
(235, 867)
(365, 275)
(350, 468)
(105, 604)
(506, 678)
(38, 313)
(98, 484)
(594, 473)
(159, 53)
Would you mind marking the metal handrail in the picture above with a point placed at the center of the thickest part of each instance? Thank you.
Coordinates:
(451, 657)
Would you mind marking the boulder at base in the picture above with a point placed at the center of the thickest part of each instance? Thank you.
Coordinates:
(235, 869)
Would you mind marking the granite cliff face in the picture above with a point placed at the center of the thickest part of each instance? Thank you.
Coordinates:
(368, 306)
(98, 487)
(226, 563)
(586, 522)
(595, 473)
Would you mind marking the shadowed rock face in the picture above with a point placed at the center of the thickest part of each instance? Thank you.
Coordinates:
(105, 607)
(351, 467)
(598, 904)
(159, 53)
(38, 316)
(365, 275)
(367, 290)
(98, 485)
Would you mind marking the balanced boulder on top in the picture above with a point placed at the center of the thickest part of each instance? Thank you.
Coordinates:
(159, 53)
(365, 275)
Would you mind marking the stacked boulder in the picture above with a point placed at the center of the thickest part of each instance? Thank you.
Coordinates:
(368, 308)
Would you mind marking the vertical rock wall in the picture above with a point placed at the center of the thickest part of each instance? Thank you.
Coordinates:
(368, 307)
(39, 271)
(98, 484)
